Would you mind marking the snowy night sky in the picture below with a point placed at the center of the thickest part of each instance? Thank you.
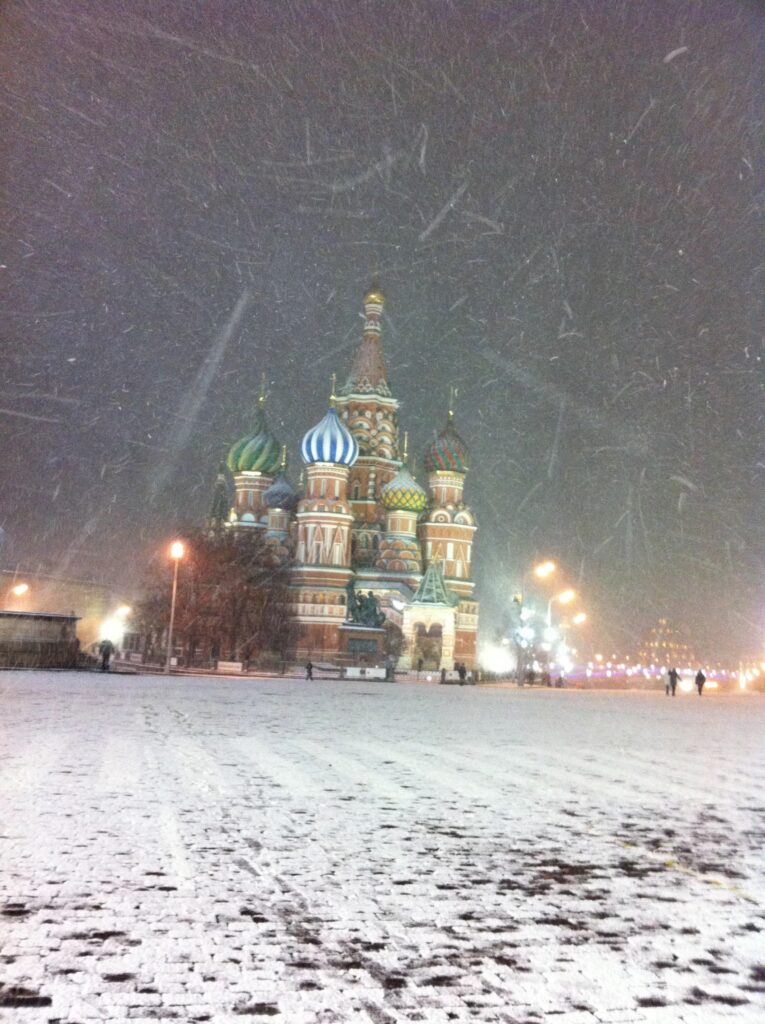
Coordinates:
(562, 202)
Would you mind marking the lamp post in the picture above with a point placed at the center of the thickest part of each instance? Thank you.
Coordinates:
(177, 552)
(542, 571)
(564, 597)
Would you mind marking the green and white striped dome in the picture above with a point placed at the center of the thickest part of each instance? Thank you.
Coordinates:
(258, 452)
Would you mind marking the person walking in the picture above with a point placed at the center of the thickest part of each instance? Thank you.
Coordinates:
(700, 680)
(309, 670)
(106, 650)
(462, 673)
(443, 675)
(674, 679)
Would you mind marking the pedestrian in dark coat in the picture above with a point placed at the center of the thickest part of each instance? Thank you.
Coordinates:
(674, 678)
(700, 680)
(443, 675)
(462, 673)
(309, 670)
(106, 650)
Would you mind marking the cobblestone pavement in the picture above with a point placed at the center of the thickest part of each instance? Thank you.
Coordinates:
(212, 850)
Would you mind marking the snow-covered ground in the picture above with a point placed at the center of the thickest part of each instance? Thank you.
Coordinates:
(207, 849)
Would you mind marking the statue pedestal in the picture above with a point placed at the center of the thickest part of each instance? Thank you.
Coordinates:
(361, 645)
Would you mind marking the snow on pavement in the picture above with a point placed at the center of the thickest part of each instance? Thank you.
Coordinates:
(207, 850)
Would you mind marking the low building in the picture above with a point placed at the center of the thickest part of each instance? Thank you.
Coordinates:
(90, 604)
(38, 640)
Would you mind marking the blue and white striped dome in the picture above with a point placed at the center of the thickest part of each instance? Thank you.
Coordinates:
(330, 441)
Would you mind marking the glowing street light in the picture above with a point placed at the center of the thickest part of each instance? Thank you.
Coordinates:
(565, 597)
(541, 571)
(123, 611)
(544, 569)
(177, 551)
(20, 589)
(579, 618)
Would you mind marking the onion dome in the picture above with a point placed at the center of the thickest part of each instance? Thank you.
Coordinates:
(259, 451)
(448, 452)
(281, 493)
(403, 493)
(330, 441)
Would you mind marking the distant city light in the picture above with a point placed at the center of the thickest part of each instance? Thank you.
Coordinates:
(544, 569)
(123, 611)
(579, 618)
(177, 549)
(20, 589)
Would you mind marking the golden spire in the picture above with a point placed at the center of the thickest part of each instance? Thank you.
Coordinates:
(332, 395)
(374, 295)
(452, 396)
(262, 396)
(283, 463)
(405, 453)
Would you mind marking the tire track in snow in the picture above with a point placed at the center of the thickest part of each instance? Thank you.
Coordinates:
(353, 769)
(281, 770)
(121, 768)
(446, 781)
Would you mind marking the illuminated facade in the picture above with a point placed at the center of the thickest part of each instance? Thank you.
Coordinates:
(666, 646)
(363, 524)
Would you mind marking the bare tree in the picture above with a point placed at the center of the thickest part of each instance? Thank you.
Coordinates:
(231, 603)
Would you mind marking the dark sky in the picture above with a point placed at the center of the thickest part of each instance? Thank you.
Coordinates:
(562, 201)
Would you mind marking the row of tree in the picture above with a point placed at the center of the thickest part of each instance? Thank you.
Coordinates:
(230, 604)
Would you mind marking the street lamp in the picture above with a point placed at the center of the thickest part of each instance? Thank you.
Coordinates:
(177, 551)
(544, 569)
(579, 618)
(20, 589)
(565, 597)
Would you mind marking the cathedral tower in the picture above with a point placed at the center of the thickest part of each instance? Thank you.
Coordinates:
(370, 412)
(446, 532)
(253, 461)
(322, 566)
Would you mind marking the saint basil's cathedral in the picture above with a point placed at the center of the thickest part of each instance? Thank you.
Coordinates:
(363, 532)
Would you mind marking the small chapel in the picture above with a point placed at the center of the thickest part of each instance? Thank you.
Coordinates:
(378, 565)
